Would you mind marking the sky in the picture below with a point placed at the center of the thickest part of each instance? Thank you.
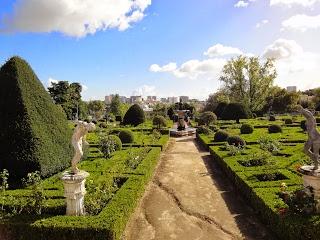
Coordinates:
(160, 47)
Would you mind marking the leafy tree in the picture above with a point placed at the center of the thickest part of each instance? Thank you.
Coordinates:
(214, 100)
(115, 105)
(235, 111)
(281, 101)
(96, 108)
(248, 81)
(68, 96)
(220, 108)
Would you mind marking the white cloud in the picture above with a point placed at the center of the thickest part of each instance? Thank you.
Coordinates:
(76, 18)
(282, 48)
(220, 50)
(51, 80)
(302, 22)
(145, 90)
(262, 23)
(290, 3)
(84, 88)
(166, 68)
(241, 4)
(294, 65)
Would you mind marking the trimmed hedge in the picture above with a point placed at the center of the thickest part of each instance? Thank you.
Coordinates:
(246, 129)
(221, 136)
(236, 141)
(126, 136)
(274, 129)
(134, 116)
(34, 131)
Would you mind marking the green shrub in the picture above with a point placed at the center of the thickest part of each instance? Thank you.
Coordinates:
(118, 118)
(303, 125)
(34, 131)
(318, 120)
(236, 141)
(207, 118)
(134, 116)
(269, 144)
(272, 118)
(126, 136)
(204, 130)
(235, 111)
(288, 121)
(274, 128)
(246, 129)
(221, 136)
(159, 121)
(103, 125)
(117, 142)
(220, 108)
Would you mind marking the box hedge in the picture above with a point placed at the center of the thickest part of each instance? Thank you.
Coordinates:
(34, 131)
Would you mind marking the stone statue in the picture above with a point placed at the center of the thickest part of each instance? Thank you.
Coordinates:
(78, 139)
(312, 146)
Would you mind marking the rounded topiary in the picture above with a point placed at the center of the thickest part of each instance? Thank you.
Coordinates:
(207, 118)
(126, 136)
(134, 116)
(235, 111)
(204, 130)
(117, 142)
(159, 121)
(34, 131)
(288, 121)
(303, 125)
(220, 108)
(272, 118)
(236, 141)
(274, 128)
(246, 129)
(221, 136)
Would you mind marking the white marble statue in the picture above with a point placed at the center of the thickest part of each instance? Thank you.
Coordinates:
(78, 139)
(312, 146)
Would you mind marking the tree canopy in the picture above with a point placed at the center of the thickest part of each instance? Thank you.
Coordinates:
(248, 81)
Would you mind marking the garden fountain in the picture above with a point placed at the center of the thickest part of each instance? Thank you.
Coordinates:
(311, 174)
(182, 128)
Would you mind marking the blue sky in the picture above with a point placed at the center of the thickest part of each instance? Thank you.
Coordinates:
(157, 47)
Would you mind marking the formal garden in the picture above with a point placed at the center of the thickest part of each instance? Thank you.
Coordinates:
(261, 153)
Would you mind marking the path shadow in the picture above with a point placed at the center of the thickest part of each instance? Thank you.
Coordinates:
(247, 220)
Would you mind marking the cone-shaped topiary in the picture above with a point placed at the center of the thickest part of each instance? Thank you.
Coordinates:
(134, 116)
(34, 131)
(235, 111)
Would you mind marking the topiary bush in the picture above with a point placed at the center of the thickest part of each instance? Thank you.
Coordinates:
(204, 130)
(118, 118)
(220, 108)
(207, 118)
(34, 131)
(272, 118)
(126, 136)
(235, 111)
(236, 141)
(134, 116)
(246, 129)
(117, 142)
(288, 121)
(109, 144)
(303, 125)
(159, 121)
(221, 136)
(274, 128)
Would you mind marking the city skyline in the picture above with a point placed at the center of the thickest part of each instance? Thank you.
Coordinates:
(145, 48)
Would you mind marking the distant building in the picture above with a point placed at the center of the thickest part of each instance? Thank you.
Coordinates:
(292, 89)
(184, 99)
(164, 100)
(108, 99)
(123, 99)
(151, 99)
(172, 100)
(136, 99)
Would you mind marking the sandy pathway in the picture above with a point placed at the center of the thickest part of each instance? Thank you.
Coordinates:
(189, 200)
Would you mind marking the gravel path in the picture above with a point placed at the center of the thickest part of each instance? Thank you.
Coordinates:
(189, 198)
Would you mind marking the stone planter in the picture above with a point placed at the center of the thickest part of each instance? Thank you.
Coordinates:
(311, 178)
(74, 191)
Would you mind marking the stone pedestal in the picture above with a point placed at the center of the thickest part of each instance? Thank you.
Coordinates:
(74, 191)
(311, 178)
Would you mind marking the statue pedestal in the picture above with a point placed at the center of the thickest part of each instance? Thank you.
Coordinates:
(311, 178)
(74, 191)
